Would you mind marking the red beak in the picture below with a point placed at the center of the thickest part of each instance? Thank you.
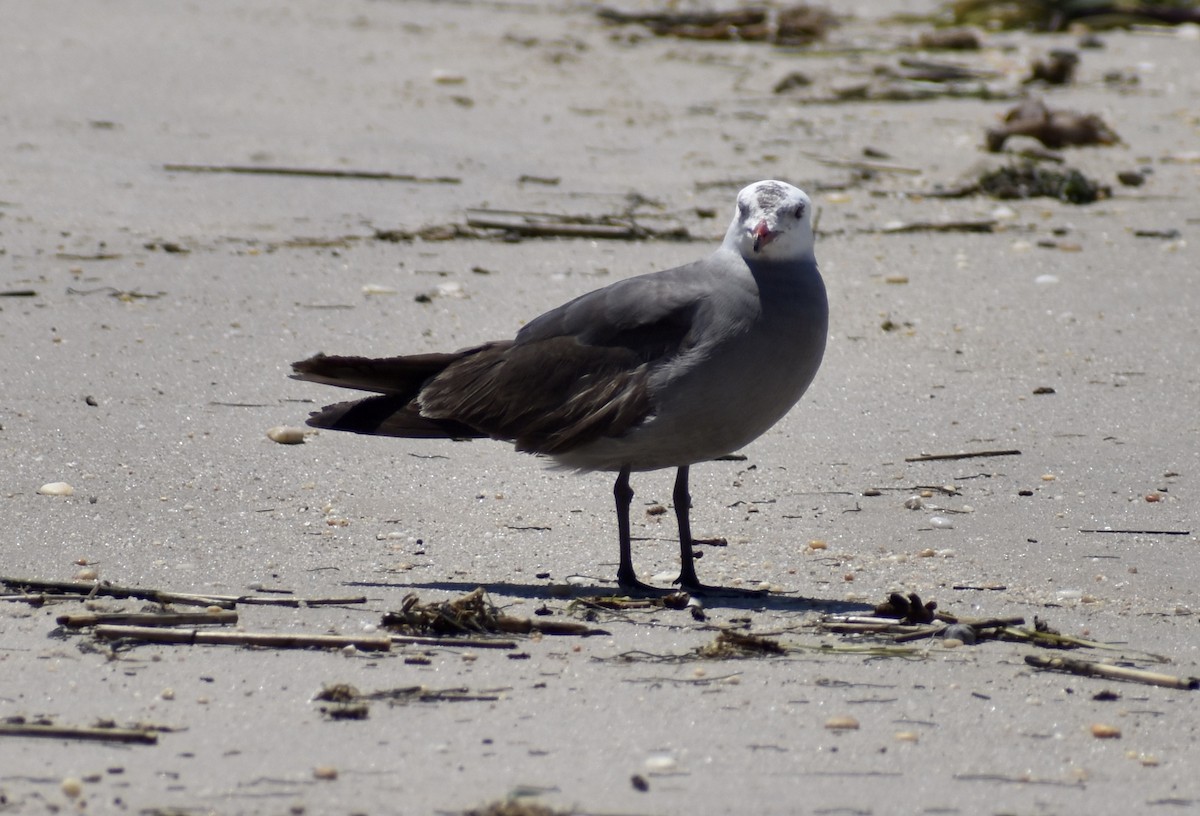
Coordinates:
(762, 235)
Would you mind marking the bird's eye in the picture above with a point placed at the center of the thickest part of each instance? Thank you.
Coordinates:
(743, 209)
(799, 211)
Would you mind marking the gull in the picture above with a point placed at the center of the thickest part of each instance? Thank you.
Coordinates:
(661, 370)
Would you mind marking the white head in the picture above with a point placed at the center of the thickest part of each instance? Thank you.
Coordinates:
(772, 222)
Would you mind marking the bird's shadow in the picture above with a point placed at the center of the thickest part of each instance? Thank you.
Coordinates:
(773, 602)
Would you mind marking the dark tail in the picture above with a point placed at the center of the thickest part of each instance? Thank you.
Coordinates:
(398, 381)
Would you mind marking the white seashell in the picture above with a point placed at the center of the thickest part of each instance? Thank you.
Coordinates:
(56, 489)
(287, 435)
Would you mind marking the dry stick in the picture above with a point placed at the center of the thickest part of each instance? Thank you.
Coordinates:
(70, 732)
(556, 229)
(1083, 667)
(310, 172)
(474, 643)
(934, 457)
(858, 164)
(966, 225)
(151, 634)
(147, 618)
(1142, 532)
(162, 596)
(114, 591)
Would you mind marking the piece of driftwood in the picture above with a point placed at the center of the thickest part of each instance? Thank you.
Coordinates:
(78, 621)
(104, 588)
(151, 634)
(936, 457)
(548, 225)
(1140, 532)
(456, 642)
(861, 164)
(126, 735)
(1088, 669)
(309, 172)
(960, 225)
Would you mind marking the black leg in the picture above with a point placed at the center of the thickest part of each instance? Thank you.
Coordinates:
(687, 567)
(626, 576)
(623, 493)
(683, 508)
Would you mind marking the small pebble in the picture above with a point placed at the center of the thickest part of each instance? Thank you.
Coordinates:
(940, 523)
(843, 723)
(914, 503)
(287, 435)
(1154, 497)
(1103, 731)
(325, 772)
(167, 694)
(907, 736)
(72, 787)
(375, 289)
(1048, 477)
(928, 552)
(661, 763)
(87, 574)
(817, 544)
(56, 489)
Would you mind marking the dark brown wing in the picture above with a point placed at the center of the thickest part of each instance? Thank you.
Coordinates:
(547, 396)
(573, 375)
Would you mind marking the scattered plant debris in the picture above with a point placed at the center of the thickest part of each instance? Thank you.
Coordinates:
(791, 25)
(1053, 128)
(731, 644)
(471, 614)
(1056, 15)
(515, 807)
(1028, 180)
(908, 610)
(1056, 68)
(951, 39)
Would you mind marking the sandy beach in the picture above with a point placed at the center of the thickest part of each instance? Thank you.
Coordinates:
(194, 196)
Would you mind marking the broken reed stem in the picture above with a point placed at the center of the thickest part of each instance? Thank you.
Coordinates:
(90, 588)
(474, 643)
(114, 591)
(309, 172)
(221, 617)
(126, 735)
(1087, 669)
(936, 457)
(150, 634)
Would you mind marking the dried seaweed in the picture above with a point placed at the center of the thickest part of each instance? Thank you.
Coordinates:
(471, 614)
(792, 25)
(1058, 15)
(731, 644)
(1027, 180)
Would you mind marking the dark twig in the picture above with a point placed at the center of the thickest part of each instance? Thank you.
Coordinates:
(310, 172)
(1088, 669)
(935, 457)
(127, 735)
(150, 634)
